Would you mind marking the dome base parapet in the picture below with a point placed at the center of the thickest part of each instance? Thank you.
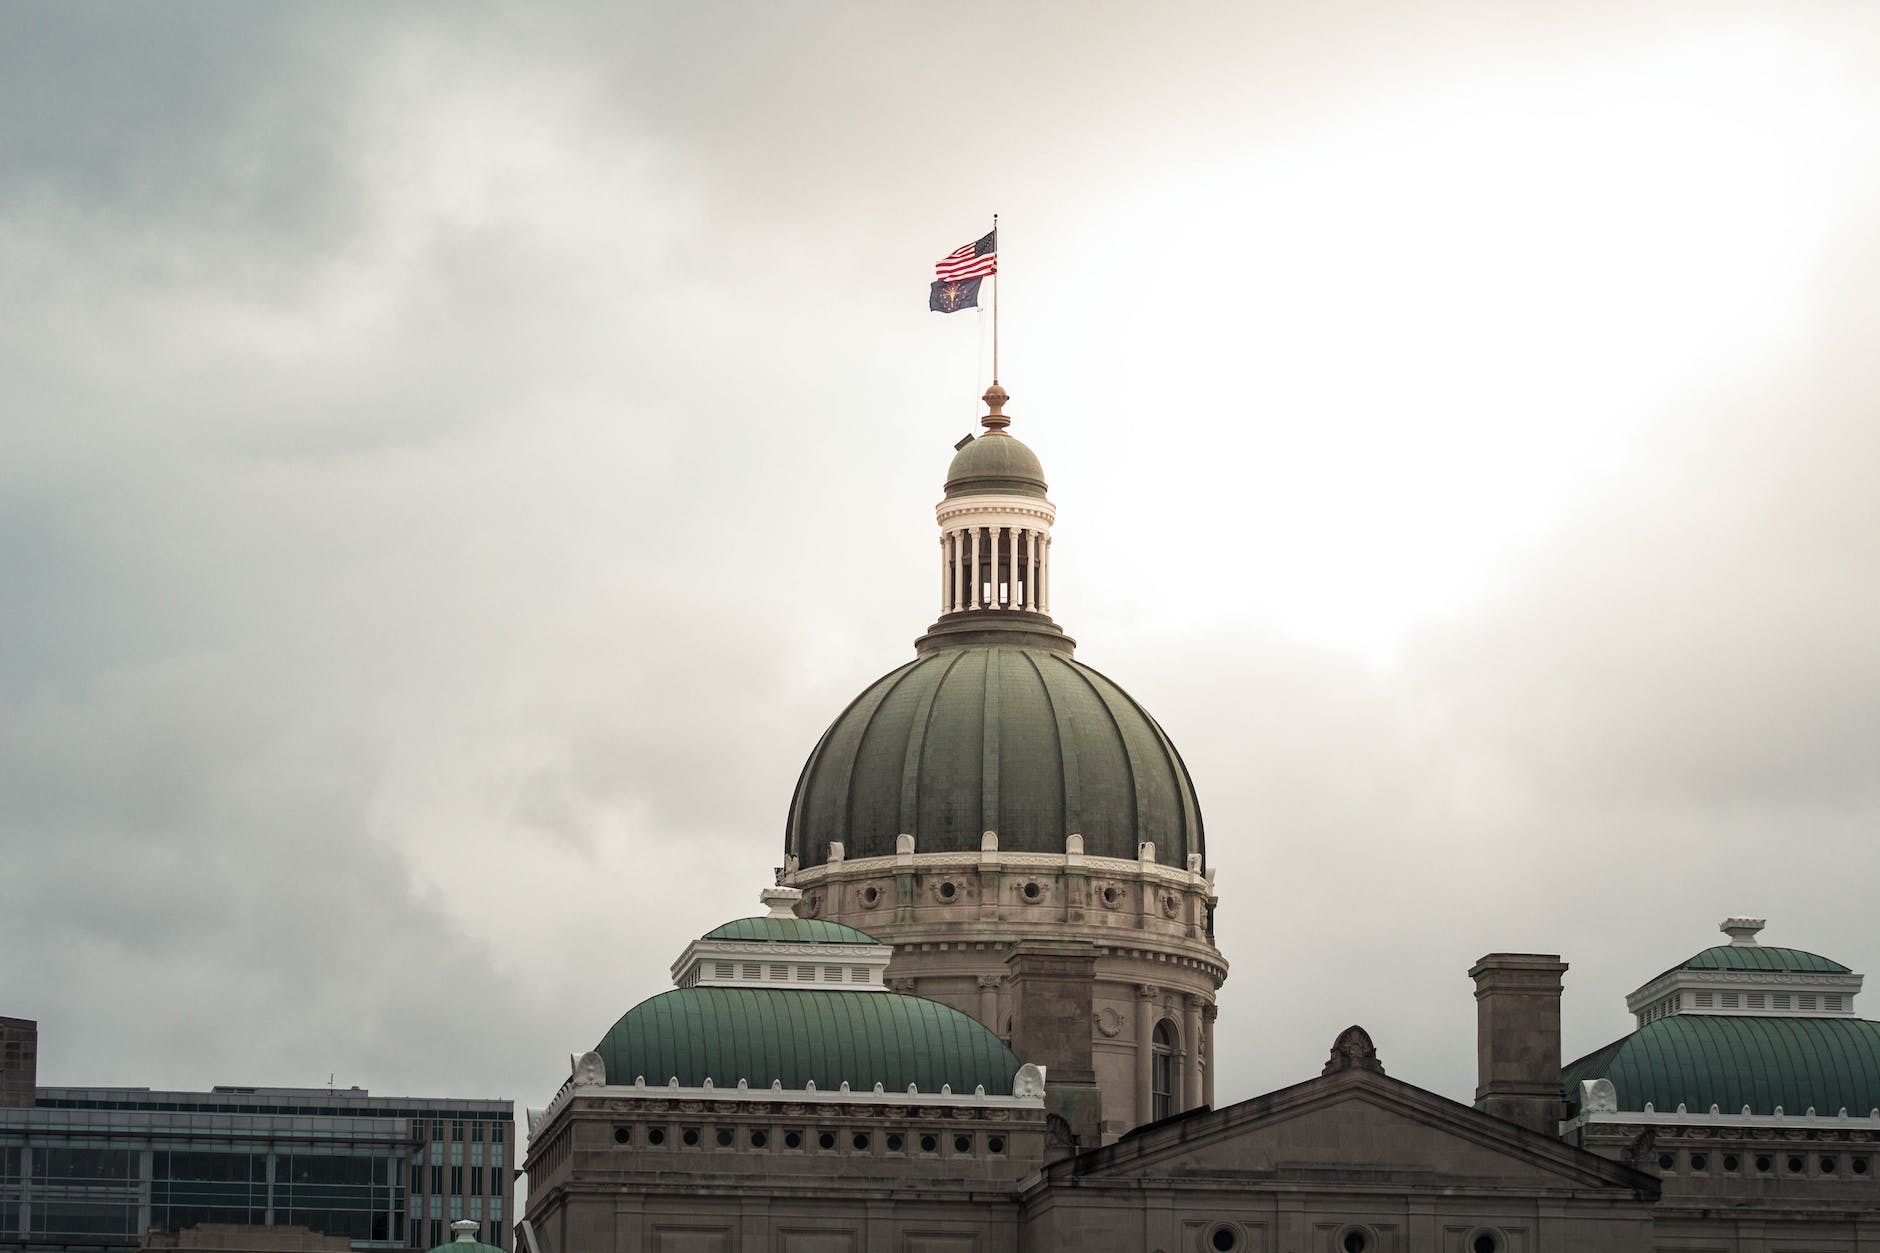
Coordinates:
(1012, 628)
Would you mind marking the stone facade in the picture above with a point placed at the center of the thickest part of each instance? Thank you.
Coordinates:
(954, 919)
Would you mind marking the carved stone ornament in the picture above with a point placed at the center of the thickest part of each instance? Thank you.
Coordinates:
(1171, 904)
(811, 906)
(1029, 1081)
(1598, 1096)
(1112, 895)
(1108, 1022)
(589, 1070)
(1353, 1050)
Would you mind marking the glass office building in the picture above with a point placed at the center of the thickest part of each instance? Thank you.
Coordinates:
(94, 1168)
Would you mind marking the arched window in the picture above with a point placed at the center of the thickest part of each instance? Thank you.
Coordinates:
(1162, 1071)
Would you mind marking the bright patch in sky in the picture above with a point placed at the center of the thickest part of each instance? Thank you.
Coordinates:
(1457, 313)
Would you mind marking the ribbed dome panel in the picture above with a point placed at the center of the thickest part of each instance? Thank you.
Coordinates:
(1023, 741)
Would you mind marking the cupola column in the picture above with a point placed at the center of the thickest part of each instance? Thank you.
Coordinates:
(953, 538)
(1016, 601)
(992, 555)
(946, 573)
(1044, 577)
(976, 581)
(1031, 569)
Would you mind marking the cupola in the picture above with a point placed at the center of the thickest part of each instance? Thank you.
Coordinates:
(1747, 977)
(780, 950)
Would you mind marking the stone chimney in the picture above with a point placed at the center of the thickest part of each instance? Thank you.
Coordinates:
(1517, 1038)
(1051, 984)
(19, 1062)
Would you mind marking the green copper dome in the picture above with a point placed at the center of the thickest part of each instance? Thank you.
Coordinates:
(1761, 957)
(1017, 739)
(789, 931)
(995, 463)
(1700, 1060)
(796, 1037)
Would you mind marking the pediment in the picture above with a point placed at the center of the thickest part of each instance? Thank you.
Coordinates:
(1353, 1126)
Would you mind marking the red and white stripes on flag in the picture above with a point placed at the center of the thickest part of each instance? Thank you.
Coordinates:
(974, 260)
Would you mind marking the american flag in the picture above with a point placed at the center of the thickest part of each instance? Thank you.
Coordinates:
(974, 260)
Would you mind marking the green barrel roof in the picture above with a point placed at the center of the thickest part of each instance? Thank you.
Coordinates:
(1023, 741)
(796, 1036)
(1760, 957)
(1700, 1060)
(789, 931)
(995, 463)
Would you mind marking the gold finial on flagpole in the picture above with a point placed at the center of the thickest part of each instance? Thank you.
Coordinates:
(996, 420)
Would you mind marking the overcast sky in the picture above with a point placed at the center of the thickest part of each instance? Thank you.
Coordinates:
(455, 460)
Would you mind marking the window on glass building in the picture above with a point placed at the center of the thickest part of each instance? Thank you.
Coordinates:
(456, 1130)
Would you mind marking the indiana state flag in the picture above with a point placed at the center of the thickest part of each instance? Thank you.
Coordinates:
(948, 297)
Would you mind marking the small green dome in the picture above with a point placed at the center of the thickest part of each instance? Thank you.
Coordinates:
(995, 463)
(1700, 1060)
(1020, 740)
(794, 1036)
(1761, 957)
(789, 931)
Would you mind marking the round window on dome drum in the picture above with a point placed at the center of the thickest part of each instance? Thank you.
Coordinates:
(759, 1139)
(656, 1136)
(1223, 1239)
(928, 1144)
(962, 1144)
(792, 1139)
(826, 1141)
(623, 1135)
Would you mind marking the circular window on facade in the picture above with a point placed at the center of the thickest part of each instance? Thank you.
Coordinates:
(1763, 1163)
(1796, 1165)
(1666, 1161)
(1858, 1165)
(759, 1139)
(690, 1136)
(656, 1136)
(861, 1144)
(724, 1139)
(894, 1143)
(928, 1144)
(792, 1139)
(1032, 891)
(1730, 1161)
(995, 1144)
(1111, 896)
(623, 1135)
(827, 1140)
(1224, 1239)
(871, 896)
(962, 1144)
(1355, 1240)
(947, 891)
(1481, 1241)
(1171, 904)
(1827, 1165)
(1700, 1161)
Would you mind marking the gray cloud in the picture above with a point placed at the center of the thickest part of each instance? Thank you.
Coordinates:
(456, 461)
